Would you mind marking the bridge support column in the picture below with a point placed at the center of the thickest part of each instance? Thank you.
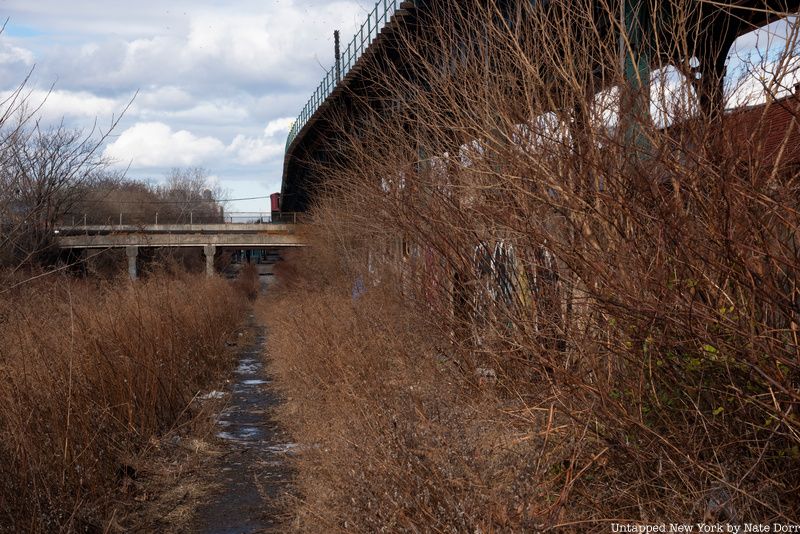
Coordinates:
(132, 252)
(209, 251)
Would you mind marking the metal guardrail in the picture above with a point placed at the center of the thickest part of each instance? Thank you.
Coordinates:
(376, 21)
(188, 217)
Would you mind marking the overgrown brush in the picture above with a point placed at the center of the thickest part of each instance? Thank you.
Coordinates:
(90, 374)
(626, 287)
(248, 282)
(392, 434)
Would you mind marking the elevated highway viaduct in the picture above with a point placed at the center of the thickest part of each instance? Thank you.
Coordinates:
(351, 88)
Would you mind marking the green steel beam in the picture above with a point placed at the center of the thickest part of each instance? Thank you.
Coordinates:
(635, 50)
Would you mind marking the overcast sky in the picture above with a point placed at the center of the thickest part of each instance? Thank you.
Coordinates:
(218, 82)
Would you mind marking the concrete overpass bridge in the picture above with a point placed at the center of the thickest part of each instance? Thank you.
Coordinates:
(210, 237)
(349, 88)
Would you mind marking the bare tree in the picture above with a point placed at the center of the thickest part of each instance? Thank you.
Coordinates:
(188, 193)
(45, 173)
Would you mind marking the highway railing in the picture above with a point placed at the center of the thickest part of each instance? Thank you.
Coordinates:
(377, 19)
(189, 217)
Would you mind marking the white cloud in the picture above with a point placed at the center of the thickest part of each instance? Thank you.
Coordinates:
(268, 146)
(221, 112)
(255, 150)
(155, 144)
(81, 106)
(167, 97)
(10, 55)
(278, 127)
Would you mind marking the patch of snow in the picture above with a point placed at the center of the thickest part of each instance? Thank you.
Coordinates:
(248, 367)
(248, 432)
(253, 382)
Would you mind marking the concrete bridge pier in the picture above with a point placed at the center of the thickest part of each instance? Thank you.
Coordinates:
(132, 252)
(210, 251)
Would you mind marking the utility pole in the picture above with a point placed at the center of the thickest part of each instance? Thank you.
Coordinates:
(338, 56)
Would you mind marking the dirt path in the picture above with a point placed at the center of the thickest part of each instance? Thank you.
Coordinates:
(252, 469)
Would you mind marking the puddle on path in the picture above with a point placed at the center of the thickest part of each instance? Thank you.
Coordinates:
(252, 470)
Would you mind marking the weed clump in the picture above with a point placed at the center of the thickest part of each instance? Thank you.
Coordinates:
(248, 282)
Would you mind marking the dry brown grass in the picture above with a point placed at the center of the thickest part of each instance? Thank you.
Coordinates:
(396, 435)
(92, 375)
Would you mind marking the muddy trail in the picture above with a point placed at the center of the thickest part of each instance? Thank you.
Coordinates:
(252, 474)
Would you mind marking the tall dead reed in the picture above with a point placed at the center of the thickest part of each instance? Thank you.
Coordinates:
(91, 373)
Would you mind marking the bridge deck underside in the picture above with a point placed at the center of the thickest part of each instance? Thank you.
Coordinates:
(312, 148)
